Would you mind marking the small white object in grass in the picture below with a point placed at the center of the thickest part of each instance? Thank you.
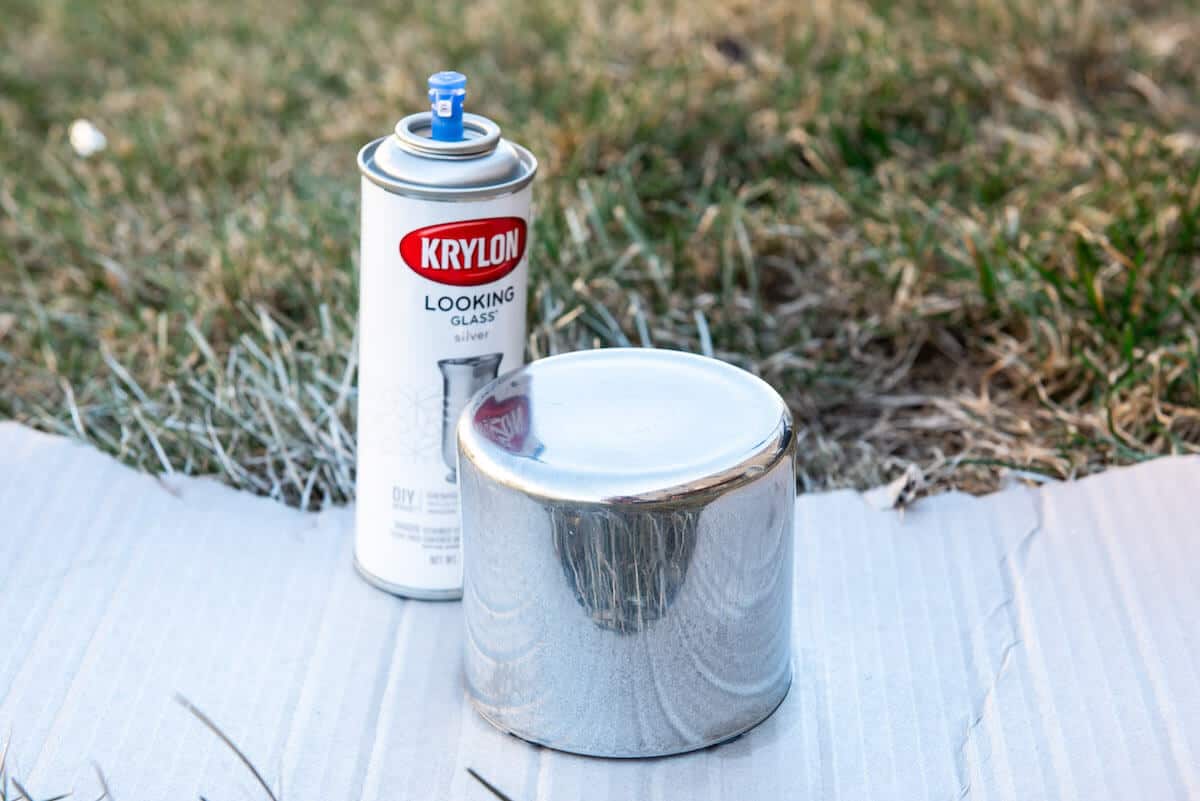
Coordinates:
(86, 138)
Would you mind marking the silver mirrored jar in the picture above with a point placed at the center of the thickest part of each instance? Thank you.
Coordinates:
(627, 531)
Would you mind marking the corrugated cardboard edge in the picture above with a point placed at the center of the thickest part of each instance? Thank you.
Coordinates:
(1035, 643)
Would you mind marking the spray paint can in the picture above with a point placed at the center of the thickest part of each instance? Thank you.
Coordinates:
(443, 277)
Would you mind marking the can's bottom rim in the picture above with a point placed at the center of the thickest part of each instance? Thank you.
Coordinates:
(413, 593)
(687, 749)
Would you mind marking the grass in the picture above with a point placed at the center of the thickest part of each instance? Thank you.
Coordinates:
(961, 235)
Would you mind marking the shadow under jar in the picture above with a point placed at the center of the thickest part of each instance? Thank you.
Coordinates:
(627, 532)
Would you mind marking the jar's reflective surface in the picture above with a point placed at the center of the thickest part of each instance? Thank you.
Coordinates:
(627, 524)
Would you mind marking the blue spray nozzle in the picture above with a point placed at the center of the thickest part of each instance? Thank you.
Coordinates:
(447, 91)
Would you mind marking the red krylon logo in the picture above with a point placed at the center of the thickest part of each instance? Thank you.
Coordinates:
(466, 253)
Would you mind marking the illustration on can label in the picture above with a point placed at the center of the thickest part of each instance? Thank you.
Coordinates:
(461, 378)
(466, 253)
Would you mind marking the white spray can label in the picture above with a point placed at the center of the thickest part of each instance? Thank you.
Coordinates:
(442, 312)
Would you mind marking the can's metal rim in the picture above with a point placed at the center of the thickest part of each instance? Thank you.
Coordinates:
(486, 135)
(407, 592)
(485, 713)
(367, 166)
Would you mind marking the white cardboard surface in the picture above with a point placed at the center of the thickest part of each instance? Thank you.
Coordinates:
(1032, 644)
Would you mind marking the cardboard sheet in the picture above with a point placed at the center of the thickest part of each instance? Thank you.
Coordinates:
(1032, 644)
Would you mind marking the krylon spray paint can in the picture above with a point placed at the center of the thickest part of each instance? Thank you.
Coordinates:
(443, 277)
